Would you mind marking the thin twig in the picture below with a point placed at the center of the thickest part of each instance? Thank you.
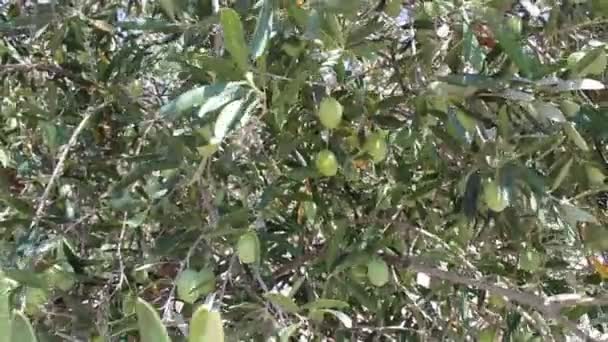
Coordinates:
(121, 264)
(228, 277)
(167, 309)
(45, 67)
(60, 165)
(277, 309)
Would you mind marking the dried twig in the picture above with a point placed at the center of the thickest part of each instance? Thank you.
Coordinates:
(46, 67)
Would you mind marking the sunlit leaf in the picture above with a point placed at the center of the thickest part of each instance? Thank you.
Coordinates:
(5, 311)
(206, 325)
(234, 37)
(226, 119)
(21, 328)
(193, 98)
(151, 328)
(263, 29)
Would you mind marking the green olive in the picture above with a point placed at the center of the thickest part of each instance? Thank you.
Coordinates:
(515, 24)
(497, 301)
(60, 276)
(326, 163)
(377, 272)
(376, 146)
(206, 281)
(487, 335)
(248, 248)
(570, 108)
(359, 273)
(495, 196)
(187, 282)
(595, 175)
(330, 112)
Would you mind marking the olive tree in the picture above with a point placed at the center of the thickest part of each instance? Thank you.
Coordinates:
(210, 170)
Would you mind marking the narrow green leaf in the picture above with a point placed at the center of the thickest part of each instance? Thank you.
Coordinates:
(548, 111)
(234, 37)
(191, 99)
(206, 326)
(580, 84)
(151, 328)
(25, 277)
(285, 303)
(361, 32)
(151, 25)
(225, 120)
(341, 316)
(230, 93)
(22, 329)
(563, 173)
(5, 313)
(263, 29)
(593, 62)
(323, 303)
(573, 215)
(286, 333)
(509, 41)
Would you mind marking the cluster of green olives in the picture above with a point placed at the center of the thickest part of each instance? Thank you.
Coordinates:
(330, 115)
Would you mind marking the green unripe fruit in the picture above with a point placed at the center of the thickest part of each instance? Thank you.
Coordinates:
(570, 108)
(35, 299)
(206, 281)
(187, 282)
(376, 147)
(60, 276)
(495, 197)
(377, 272)
(530, 260)
(497, 301)
(487, 335)
(358, 273)
(330, 112)
(515, 25)
(595, 175)
(326, 163)
(248, 248)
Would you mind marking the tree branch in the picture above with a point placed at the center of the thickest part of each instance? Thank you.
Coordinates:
(60, 165)
(547, 308)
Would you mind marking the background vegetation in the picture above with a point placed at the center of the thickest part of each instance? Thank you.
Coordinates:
(314, 170)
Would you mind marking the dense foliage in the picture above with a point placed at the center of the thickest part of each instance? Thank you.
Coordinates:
(355, 170)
